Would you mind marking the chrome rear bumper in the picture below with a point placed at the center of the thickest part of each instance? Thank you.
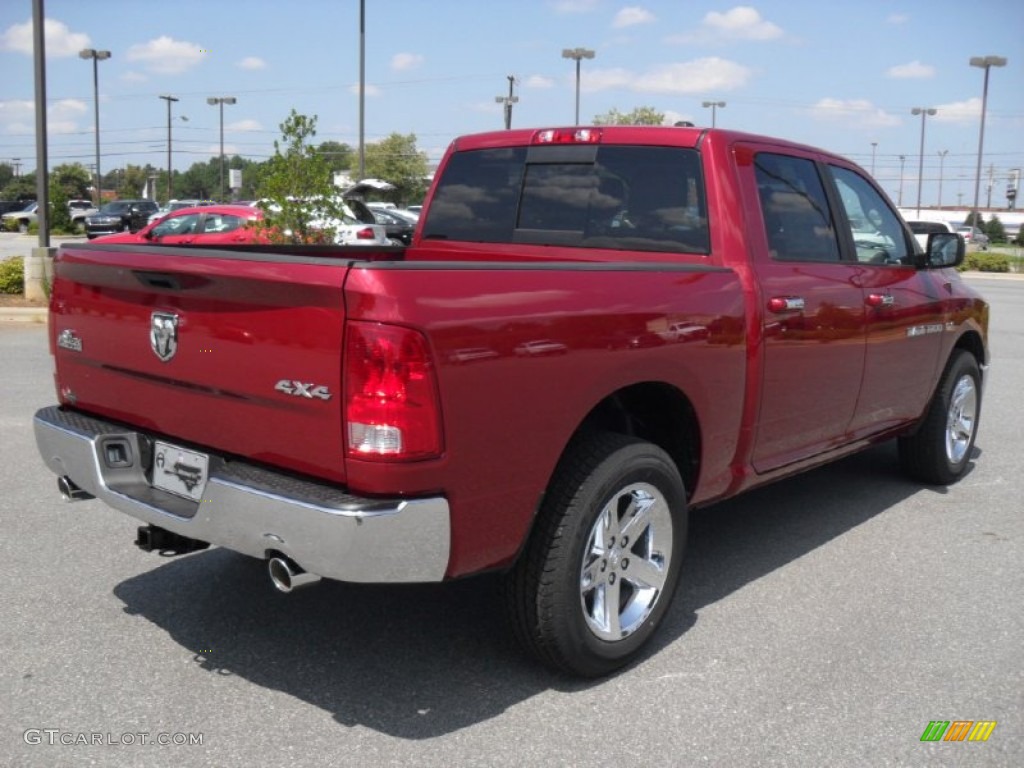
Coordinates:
(255, 511)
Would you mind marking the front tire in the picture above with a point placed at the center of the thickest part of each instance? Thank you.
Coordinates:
(939, 452)
(603, 561)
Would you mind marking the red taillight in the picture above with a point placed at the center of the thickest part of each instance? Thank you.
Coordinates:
(391, 403)
(366, 233)
(567, 136)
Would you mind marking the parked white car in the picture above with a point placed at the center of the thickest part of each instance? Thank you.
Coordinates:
(357, 225)
(922, 229)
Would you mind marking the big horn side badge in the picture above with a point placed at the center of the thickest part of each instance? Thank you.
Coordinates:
(163, 334)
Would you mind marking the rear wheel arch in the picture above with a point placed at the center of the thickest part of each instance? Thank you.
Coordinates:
(657, 413)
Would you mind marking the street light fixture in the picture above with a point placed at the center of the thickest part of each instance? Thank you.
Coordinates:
(715, 106)
(986, 63)
(221, 101)
(97, 57)
(577, 54)
(168, 99)
(923, 112)
(942, 160)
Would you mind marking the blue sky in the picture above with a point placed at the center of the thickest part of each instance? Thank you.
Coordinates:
(840, 75)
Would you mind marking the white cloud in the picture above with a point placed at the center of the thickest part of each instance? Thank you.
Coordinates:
(403, 62)
(631, 16)
(672, 117)
(252, 62)
(741, 23)
(68, 107)
(538, 81)
(18, 117)
(488, 107)
(134, 77)
(244, 125)
(229, 150)
(959, 111)
(915, 70)
(166, 56)
(697, 76)
(60, 41)
(575, 6)
(860, 112)
(897, 18)
(371, 90)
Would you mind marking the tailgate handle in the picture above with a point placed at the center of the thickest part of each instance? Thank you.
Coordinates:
(159, 280)
(168, 281)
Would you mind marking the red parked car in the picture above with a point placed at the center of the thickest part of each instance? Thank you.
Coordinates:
(208, 224)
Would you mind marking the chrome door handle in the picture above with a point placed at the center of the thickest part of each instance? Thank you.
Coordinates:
(779, 304)
(881, 300)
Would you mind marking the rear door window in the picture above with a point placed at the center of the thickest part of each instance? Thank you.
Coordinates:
(797, 220)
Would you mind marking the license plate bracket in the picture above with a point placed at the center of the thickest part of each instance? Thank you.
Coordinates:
(179, 470)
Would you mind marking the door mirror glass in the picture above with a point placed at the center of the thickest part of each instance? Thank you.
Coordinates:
(945, 249)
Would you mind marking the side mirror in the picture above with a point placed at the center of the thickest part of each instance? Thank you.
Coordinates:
(945, 249)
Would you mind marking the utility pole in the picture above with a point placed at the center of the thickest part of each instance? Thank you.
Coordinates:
(991, 181)
(508, 101)
(169, 100)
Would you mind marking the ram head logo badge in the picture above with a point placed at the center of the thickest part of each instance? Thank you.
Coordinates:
(163, 334)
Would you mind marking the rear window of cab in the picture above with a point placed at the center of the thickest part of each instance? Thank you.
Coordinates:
(644, 198)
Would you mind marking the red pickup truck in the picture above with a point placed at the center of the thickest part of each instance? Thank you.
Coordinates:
(592, 331)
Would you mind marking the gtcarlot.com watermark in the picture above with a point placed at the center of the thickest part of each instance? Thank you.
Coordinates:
(58, 737)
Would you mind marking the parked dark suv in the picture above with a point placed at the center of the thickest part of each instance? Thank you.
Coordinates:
(120, 216)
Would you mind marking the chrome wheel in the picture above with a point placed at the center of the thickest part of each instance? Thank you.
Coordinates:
(961, 419)
(626, 561)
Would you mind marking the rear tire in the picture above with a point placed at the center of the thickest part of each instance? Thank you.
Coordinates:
(603, 561)
(939, 453)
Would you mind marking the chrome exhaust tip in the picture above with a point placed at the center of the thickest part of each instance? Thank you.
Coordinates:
(288, 576)
(71, 492)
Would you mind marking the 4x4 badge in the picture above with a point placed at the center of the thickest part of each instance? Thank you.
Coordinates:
(163, 334)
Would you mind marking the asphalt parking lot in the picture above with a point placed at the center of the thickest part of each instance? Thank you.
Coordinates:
(825, 620)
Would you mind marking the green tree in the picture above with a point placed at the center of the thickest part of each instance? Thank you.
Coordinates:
(639, 116)
(396, 160)
(74, 179)
(995, 230)
(59, 220)
(339, 156)
(975, 218)
(21, 188)
(6, 174)
(201, 181)
(297, 186)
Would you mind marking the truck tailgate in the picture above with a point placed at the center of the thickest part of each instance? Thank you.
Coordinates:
(235, 351)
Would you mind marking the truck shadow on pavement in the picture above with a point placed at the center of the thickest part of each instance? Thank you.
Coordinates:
(419, 661)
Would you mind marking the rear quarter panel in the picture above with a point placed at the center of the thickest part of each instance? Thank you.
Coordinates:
(525, 351)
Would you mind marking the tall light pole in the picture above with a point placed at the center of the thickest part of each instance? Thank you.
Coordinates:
(986, 63)
(874, 146)
(169, 100)
(362, 89)
(97, 57)
(899, 199)
(578, 54)
(715, 106)
(508, 101)
(222, 100)
(942, 160)
(923, 112)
